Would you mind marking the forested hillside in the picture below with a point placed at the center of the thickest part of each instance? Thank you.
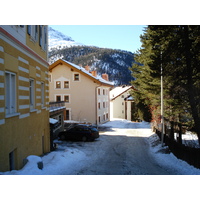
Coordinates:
(115, 63)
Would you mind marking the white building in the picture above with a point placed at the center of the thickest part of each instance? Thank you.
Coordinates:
(85, 93)
(121, 102)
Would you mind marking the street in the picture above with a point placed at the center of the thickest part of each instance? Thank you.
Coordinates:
(121, 149)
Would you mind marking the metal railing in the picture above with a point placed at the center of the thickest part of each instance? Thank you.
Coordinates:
(54, 105)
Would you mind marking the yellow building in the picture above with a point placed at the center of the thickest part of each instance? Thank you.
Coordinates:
(24, 94)
(86, 95)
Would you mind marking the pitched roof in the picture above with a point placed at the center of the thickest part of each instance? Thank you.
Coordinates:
(117, 91)
(81, 70)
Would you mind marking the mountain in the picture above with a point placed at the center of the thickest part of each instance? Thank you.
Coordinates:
(114, 62)
(59, 40)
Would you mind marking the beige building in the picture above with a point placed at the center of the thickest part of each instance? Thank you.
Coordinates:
(121, 102)
(24, 102)
(86, 95)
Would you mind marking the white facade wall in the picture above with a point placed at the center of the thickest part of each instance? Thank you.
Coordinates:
(88, 99)
(119, 108)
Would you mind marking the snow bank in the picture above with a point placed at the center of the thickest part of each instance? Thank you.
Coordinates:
(123, 123)
(67, 160)
(54, 163)
(163, 156)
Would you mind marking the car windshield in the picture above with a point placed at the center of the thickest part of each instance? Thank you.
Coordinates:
(93, 129)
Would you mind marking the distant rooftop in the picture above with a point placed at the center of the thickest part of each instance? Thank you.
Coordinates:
(118, 91)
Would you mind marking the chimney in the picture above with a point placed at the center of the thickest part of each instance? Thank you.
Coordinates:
(87, 68)
(94, 73)
(105, 77)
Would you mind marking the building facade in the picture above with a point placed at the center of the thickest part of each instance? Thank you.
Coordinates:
(24, 94)
(86, 95)
(121, 102)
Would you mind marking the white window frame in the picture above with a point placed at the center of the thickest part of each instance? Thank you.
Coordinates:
(74, 77)
(32, 94)
(57, 96)
(11, 100)
(64, 85)
(64, 98)
(58, 88)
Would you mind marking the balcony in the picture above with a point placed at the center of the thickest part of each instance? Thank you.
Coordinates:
(56, 106)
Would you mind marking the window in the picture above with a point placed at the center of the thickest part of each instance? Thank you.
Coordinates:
(76, 77)
(32, 30)
(10, 93)
(32, 94)
(66, 98)
(104, 105)
(99, 105)
(29, 29)
(58, 98)
(36, 33)
(43, 37)
(103, 91)
(40, 35)
(99, 91)
(67, 115)
(66, 84)
(42, 94)
(58, 84)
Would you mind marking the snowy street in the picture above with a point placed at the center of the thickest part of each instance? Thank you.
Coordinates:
(123, 148)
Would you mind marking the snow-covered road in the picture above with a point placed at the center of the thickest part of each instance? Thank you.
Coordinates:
(121, 151)
(123, 148)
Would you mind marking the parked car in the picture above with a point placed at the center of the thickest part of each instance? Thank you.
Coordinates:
(80, 132)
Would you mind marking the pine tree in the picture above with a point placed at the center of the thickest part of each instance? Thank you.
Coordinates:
(177, 49)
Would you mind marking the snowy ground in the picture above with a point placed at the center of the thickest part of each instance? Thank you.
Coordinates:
(99, 187)
(190, 139)
(70, 158)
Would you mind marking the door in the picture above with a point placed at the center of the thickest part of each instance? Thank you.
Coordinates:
(67, 115)
(125, 109)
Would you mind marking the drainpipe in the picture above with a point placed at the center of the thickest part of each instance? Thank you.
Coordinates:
(96, 107)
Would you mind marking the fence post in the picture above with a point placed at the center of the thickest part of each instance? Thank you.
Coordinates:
(180, 133)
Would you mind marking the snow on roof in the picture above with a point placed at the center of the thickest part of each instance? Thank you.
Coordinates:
(53, 121)
(118, 91)
(99, 78)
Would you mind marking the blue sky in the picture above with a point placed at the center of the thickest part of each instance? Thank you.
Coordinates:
(124, 37)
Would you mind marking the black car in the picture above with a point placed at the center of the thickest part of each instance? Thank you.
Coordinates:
(80, 132)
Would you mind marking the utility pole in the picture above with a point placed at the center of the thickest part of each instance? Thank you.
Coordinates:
(161, 96)
(162, 103)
